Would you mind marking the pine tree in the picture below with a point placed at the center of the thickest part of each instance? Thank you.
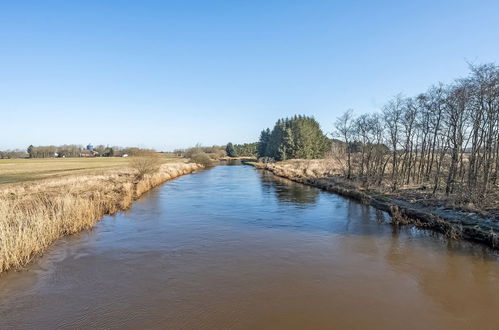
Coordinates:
(229, 149)
(31, 151)
(263, 143)
(296, 137)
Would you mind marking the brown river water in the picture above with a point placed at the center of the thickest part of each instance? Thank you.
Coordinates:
(236, 248)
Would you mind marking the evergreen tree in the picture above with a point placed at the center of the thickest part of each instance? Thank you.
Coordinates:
(263, 143)
(246, 149)
(229, 149)
(30, 151)
(297, 137)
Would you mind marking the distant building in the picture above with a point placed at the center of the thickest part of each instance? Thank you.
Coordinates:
(86, 153)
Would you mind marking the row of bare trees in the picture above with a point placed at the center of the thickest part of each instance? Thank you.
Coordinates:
(75, 150)
(446, 138)
(68, 150)
(14, 153)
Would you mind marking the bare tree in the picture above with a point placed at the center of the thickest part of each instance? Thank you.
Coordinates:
(344, 128)
(392, 115)
(446, 138)
(145, 163)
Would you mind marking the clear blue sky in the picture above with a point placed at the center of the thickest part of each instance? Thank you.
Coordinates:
(169, 74)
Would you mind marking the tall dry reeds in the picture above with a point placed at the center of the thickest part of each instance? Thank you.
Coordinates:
(305, 168)
(33, 215)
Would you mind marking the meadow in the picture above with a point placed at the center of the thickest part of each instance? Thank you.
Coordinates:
(22, 170)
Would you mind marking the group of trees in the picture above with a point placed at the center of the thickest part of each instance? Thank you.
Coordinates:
(201, 154)
(16, 153)
(74, 150)
(296, 137)
(70, 150)
(214, 152)
(67, 150)
(242, 150)
(445, 138)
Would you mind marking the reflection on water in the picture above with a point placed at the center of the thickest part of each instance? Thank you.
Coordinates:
(235, 248)
(231, 162)
(288, 191)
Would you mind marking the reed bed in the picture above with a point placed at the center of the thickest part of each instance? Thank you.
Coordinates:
(305, 168)
(33, 215)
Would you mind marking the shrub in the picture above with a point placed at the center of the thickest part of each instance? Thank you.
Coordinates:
(201, 158)
(145, 164)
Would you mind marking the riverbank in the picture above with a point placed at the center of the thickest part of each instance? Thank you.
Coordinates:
(455, 224)
(34, 214)
(234, 247)
(242, 159)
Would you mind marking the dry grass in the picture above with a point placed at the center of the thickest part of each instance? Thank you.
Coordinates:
(307, 168)
(408, 205)
(18, 170)
(35, 214)
(332, 170)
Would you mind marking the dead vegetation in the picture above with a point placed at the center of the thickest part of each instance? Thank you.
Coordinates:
(35, 214)
(403, 207)
(334, 169)
(144, 164)
(201, 158)
(444, 141)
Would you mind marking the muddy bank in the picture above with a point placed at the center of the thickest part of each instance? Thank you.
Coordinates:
(454, 224)
(35, 214)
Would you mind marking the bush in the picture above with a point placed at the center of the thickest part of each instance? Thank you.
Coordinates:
(145, 164)
(201, 158)
(214, 152)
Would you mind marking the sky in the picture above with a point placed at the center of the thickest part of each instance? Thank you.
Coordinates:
(170, 74)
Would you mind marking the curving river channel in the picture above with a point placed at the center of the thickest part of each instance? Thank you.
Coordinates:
(236, 248)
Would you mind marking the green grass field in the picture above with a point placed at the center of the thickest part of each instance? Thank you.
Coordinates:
(19, 170)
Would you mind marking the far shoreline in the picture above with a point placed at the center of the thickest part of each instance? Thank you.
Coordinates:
(454, 224)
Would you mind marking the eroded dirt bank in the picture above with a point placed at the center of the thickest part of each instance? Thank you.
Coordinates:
(453, 223)
(35, 214)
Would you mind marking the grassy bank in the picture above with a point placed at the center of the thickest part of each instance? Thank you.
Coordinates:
(403, 207)
(34, 214)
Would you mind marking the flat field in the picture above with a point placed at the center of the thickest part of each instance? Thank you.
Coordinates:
(19, 170)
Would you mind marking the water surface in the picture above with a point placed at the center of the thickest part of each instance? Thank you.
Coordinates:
(236, 248)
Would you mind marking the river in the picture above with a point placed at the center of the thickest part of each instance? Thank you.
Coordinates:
(236, 248)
